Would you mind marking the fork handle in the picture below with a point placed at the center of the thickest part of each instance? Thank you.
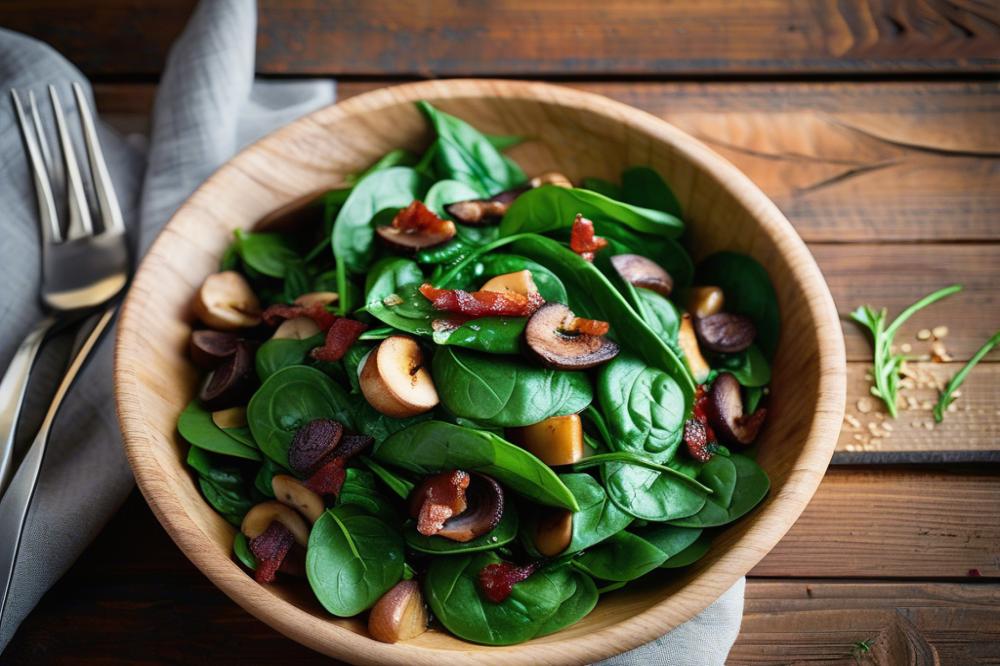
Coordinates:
(16, 501)
(13, 387)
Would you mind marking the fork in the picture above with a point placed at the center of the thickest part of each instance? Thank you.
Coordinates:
(82, 269)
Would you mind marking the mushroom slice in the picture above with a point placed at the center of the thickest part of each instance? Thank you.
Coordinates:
(232, 383)
(289, 491)
(553, 532)
(642, 272)
(520, 282)
(317, 297)
(688, 342)
(547, 337)
(705, 301)
(558, 440)
(394, 380)
(297, 328)
(210, 348)
(260, 517)
(725, 333)
(481, 496)
(725, 412)
(480, 212)
(313, 444)
(226, 302)
(484, 508)
(551, 178)
(399, 614)
(416, 227)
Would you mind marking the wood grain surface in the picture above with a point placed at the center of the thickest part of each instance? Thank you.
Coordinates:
(556, 38)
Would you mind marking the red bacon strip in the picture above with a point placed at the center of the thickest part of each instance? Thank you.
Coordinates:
(329, 478)
(277, 313)
(270, 549)
(497, 580)
(585, 326)
(482, 303)
(417, 218)
(339, 337)
(582, 239)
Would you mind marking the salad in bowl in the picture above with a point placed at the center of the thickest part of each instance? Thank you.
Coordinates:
(453, 394)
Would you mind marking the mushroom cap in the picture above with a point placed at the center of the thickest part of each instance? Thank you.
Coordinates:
(643, 272)
(725, 412)
(210, 348)
(725, 333)
(412, 240)
(233, 382)
(483, 508)
(556, 349)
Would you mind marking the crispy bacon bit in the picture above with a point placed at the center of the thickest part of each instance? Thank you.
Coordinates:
(329, 478)
(270, 549)
(574, 324)
(497, 580)
(482, 303)
(418, 218)
(277, 313)
(342, 334)
(437, 499)
(698, 435)
(582, 239)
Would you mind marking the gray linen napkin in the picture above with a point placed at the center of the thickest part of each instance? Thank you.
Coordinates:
(207, 108)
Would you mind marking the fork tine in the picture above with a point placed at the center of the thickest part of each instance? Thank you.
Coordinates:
(55, 172)
(48, 220)
(79, 212)
(107, 202)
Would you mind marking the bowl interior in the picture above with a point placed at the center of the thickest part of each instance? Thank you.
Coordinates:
(577, 134)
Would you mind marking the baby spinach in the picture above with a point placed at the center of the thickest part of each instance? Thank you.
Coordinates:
(644, 407)
(691, 554)
(505, 391)
(353, 558)
(395, 482)
(748, 291)
(197, 427)
(406, 310)
(359, 490)
(241, 549)
(749, 367)
(549, 285)
(642, 186)
(267, 472)
(266, 253)
(436, 446)
(493, 335)
(274, 355)
(288, 400)
(502, 534)
(598, 517)
(551, 207)
(637, 459)
(622, 557)
(602, 186)
(739, 484)
(225, 486)
(659, 314)
(535, 606)
(388, 275)
(445, 192)
(671, 540)
(465, 154)
(651, 495)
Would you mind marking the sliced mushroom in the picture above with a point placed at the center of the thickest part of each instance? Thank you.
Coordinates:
(289, 491)
(260, 517)
(298, 213)
(688, 342)
(725, 412)
(546, 338)
(313, 444)
(705, 301)
(210, 348)
(438, 495)
(551, 178)
(558, 440)
(234, 417)
(296, 328)
(317, 298)
(399, 614)
(226, 302)
(480, 212)
(232, 383)
(520, 282)
(725, 333)
(553, 532)
(394, 380)
(642, 272)
(414, 240)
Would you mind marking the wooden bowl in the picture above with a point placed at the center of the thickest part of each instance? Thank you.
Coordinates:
(573, 132)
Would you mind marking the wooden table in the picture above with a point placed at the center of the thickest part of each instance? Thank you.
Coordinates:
(875, 126)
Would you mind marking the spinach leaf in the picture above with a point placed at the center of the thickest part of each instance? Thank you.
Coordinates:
(643, 406)
(359, 490)
(502, 534)
(241, 549)
(666, 252)
(226, 487)
(353, 233)
(296, 280)
(602, 186)
(503, 141)
(493, 335)
(643, 186)
(274, 355)
(445, 192)
(388, 275)
(267, 472)
(549, 285)
(651, 495)
(353, 558)
(266, 253)
(573, 609)
(622, 557)
(660, 315)
(689, 555)
(452, 251)
(594, 297)
(748, 291)
(598, 517)
(505, 391)
(743, 486)
(196, 426)
(465, 154)
(451, 587)
(754, 394)
(436, 446)
(395, 482)
(407, 310)
(288, 400)
(749, 367)
(669, 539)
(550, 207)
(601, 459)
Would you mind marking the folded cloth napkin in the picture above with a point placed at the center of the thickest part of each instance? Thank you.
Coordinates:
(207, 108)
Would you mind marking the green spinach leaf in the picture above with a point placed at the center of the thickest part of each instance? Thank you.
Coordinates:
(493, 335)
(748, 291)
(739, 484)
(651, 495)
(196, 426)
(274, 355)
(388, 275)
(643, 186)
(622, 557)
(267, 253)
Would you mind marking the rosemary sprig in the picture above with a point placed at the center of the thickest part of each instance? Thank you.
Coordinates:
(945, 398)
(887, 365)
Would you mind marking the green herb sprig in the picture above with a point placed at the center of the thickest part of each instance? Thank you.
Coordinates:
(946, 398)
(887, 365)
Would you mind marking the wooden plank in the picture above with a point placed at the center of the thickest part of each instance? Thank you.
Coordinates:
(556, 38)
(816, 621)
(894, 523)
(970, 433)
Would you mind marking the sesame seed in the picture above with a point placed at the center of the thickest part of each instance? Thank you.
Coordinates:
(939, 332)
(906, 348)
(924, 334)
(864, 405)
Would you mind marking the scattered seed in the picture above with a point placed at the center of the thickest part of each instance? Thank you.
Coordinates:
(940, 332)
(887, 426)
(850, 447)
(952, 408)
(392, 300)
(864, 405)
(927, 405)
(852, 421)
(957, 393)
(928, 425)
(906, 348)
(924, 334)
(858, 437)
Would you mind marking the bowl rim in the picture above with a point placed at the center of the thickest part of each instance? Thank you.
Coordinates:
(769, 527)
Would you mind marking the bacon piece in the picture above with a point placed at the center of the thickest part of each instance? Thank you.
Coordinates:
(437, 499)
(698, 435)
(497, 580)
(582, 239)
(574, 324)
(270, 549)
(418, 218)
(482, 303)
(275, 314)
(329, 478)
(341, 335)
